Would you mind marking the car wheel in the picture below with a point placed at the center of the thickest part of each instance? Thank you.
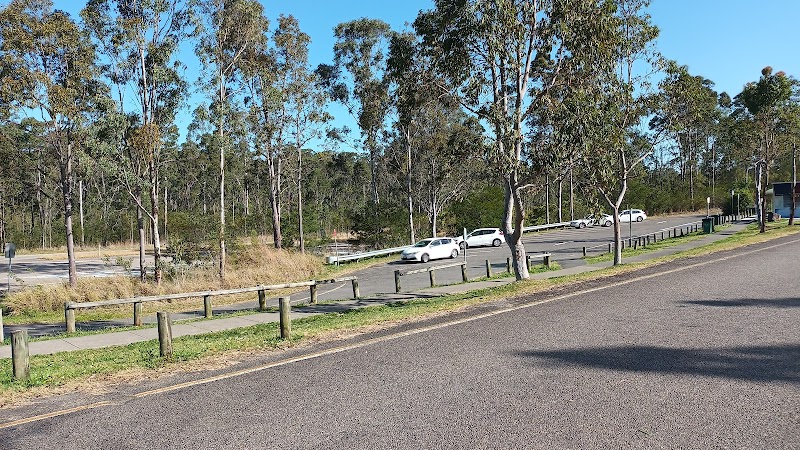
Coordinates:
(454, 253)
(496, 243)
(581, 225)
(425, 258)
(607, 224)
(639, 219)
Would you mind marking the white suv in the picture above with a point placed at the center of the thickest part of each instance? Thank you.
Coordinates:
(482, 236)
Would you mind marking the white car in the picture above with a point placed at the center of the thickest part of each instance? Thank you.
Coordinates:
(428, 249)
(592, 220)
(632, 215)
(482, 236)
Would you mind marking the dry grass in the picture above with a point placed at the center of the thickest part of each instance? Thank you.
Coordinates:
(253, 264)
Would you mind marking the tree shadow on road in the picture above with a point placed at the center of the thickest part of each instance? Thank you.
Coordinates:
(744, 302)
(772, 363)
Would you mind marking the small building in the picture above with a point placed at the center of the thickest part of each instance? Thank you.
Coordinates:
(782, 199)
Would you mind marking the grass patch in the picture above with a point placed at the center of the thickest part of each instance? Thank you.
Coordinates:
(74, 369)
(253, 265)
(652, 247)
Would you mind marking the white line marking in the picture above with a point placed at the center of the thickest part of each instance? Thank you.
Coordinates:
(560, 243)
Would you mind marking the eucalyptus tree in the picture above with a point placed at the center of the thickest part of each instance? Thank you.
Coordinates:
(49, 70)
(615, 104)
(762, 107)
(357, 80)
(303, 96)
(229, 31)
(499, 57)
(140, 40)
(688, 114)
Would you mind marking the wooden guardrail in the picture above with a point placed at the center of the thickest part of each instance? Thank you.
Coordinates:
(71, 307)
(431, 270)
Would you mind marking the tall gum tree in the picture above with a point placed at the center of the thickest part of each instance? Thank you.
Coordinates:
(230, 30)
(501, 57)
(762, 107)
(140, 40)
(49, 70)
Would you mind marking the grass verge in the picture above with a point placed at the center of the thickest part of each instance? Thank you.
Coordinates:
(77, 370)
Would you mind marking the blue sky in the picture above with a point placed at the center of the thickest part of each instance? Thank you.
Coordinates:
(726, 41)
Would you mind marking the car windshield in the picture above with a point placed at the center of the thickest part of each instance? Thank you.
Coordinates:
(423, 243)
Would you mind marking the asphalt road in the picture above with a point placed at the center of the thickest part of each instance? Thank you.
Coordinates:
(697, 353)
(566, 247)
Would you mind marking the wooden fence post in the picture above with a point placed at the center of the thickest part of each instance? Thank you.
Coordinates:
(546, 261)
(207, 310)
(137, 314)
(69, 316)
(464, 272)
(2, 335)
(396, 281)
(609, 247)
(584, 252)
(20, 356)
(313, 294)
(262, 300)
(356, 290)
(285, 321)
(432, 276)
(164, 334)
(488, 269)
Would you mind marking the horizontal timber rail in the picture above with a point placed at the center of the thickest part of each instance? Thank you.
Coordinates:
(71, 307)
(431, 270)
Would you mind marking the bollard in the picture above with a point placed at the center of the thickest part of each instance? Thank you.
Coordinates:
(313, 294)
(528, 260)
(286, 324)
(207, 310)
(137, 314)
(432, 277)
(508, 265)
(609, 247)
(356, 290)
(488, 269)
(464, 273)
(164, 334)
(584, 252)
(396, 281)
(546, 261)
(262, 300)
(2, 335)
(662, 235)
(69, 315)
(20, 357)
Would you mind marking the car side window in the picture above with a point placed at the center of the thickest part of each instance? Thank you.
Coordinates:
(436, 242)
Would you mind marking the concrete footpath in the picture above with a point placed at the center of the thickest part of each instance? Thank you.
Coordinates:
(110, 339)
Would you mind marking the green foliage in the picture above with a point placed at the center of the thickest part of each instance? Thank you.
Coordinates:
(482, 208)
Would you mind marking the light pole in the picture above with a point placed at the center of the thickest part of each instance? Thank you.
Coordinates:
(708, 206)
(732, 201)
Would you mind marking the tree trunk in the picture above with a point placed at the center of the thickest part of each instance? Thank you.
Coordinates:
(571, 194)
(794, 184)
(760, 204)
(300, 199)
(560, 200)
(512, 227)
(547, 198)
(617, 236)
(66, 191)
(408, 189)
(80, 207)
(142, 239)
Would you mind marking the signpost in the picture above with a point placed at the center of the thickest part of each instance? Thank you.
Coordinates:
(708, 206)
(10, 252)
